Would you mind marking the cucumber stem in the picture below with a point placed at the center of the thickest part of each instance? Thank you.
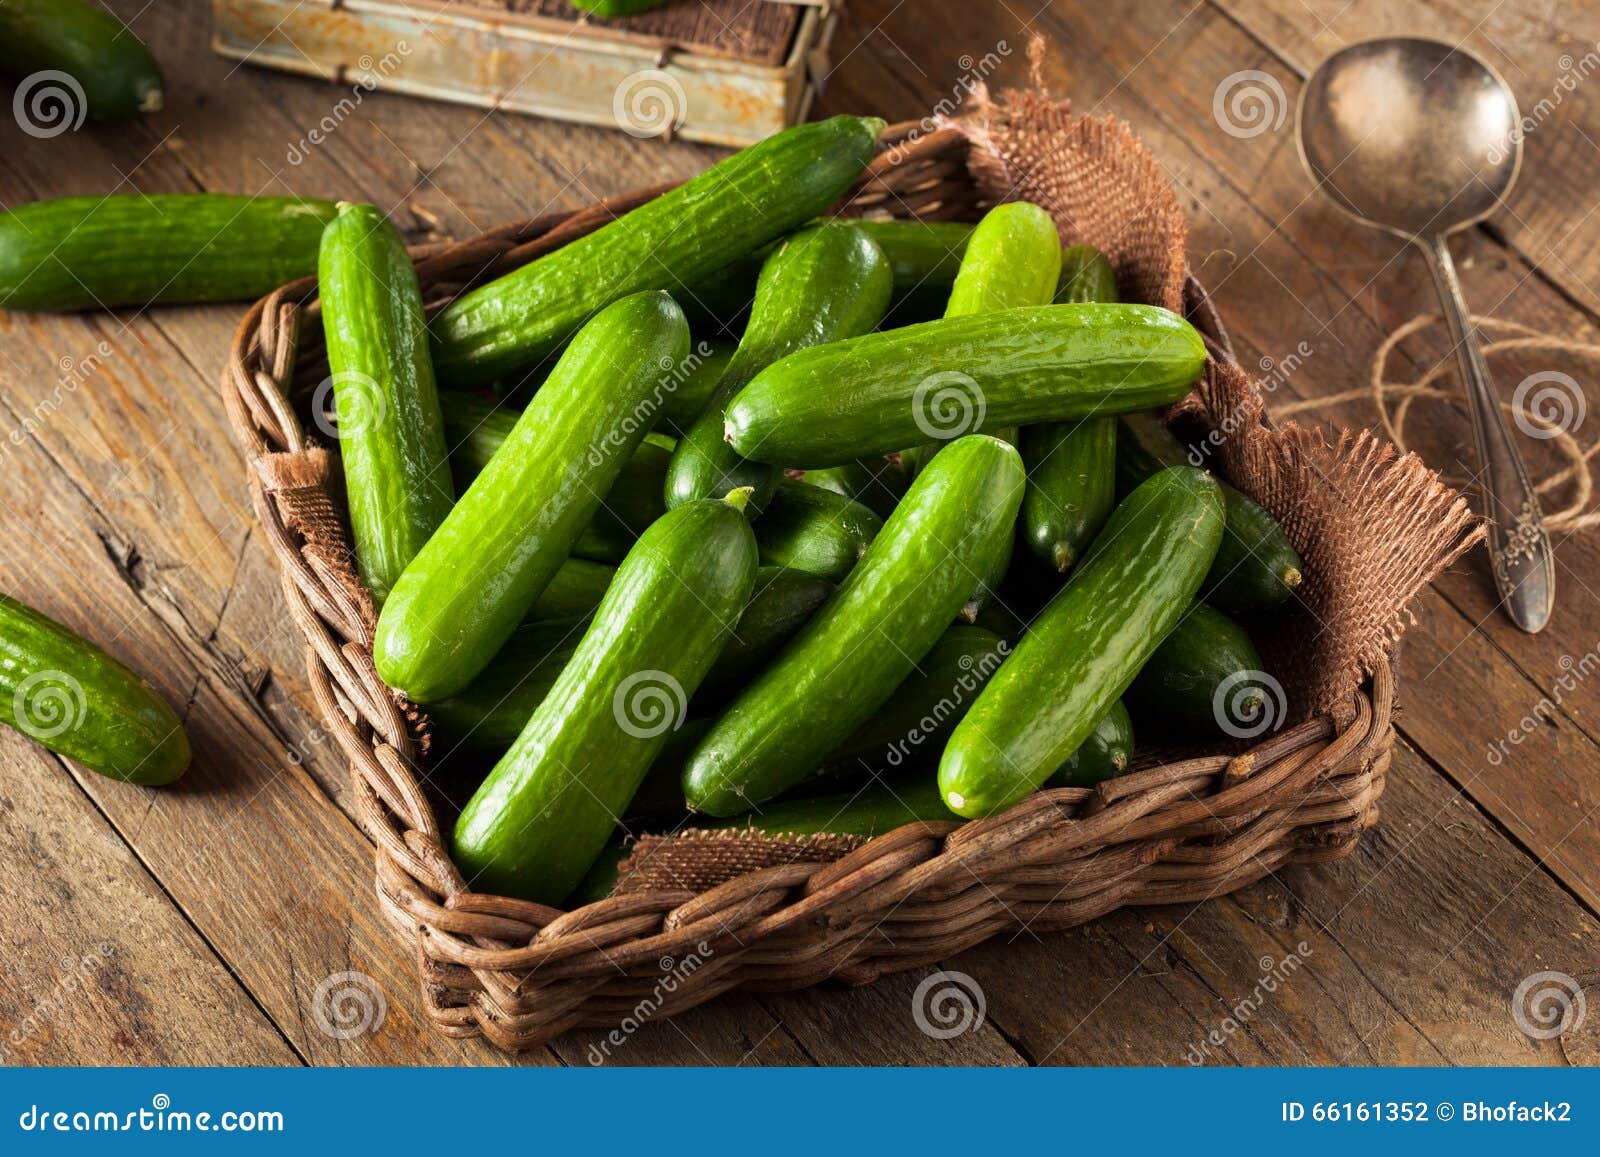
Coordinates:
(1291, 577)
(740, 498)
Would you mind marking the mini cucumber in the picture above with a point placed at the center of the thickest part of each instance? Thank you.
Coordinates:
(782, 602)
(479, 574)
(886, 615)
(548, 807)
(1205, 677)
(391, 435)
(859, 398)
(814, 530)
(1081, 653)
(1071, 465)
(155, 249)
(876, 483)
(669, 242)
(818, 286)
(573, 592)
(67, 694)
(113, 76)
(1256, 568)
(1105, 754)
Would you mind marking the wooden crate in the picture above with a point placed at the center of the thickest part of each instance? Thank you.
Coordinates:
(727, 72)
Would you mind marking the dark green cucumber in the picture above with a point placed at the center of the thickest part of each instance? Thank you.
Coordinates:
(821, 285)
(782, 602)
(391, 436)
(869, 395)
(573, 591)
(1204, 678)
(869, 811)
(670, 242)
(477, 577)
(111, 75)
(876, 483)
(815, 530)
(69, 695)
(1071, 475)
(548, 807)
(1256, 567)
(910, 728)
(1105, 754)
(156, 249)
(1081, 653)
(886, 615)
(683, 405)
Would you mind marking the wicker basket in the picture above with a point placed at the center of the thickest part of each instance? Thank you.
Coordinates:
(520, 973)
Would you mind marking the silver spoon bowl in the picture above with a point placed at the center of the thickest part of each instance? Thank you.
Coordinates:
(1420, 139)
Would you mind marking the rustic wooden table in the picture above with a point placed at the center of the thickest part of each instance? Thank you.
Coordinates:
(194, 925)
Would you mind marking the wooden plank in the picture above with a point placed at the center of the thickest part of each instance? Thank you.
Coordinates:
(100, 967)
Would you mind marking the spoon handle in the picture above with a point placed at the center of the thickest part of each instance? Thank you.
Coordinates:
(1519, 550)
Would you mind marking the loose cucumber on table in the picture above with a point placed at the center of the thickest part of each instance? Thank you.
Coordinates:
(1081, 653)
(115, 76)
(479, 574)
(548, 807)
(814, 530)
(827, 405)
(820, 285)
(885, 616)
(70, 696)
(73, 253)
(1071, 465)
(670, 242)
(1256, 568)
(1105, 754)
(1204, 678)
(391, 435)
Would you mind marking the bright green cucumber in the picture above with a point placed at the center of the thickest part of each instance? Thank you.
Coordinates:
(69, 695)
(1105, 754)
(1071, 465)
(467, 589)
(156, 249)
(876, 483)
(782, 602)
(1081, 653)
(1206, 677)
(670, 242)
(886, 615)
(548, 807)
(611, 9)
(1256, 567)
(820, 285)
(391, 436)
(110, 74)
(869, 395)
(573, 592)
(869, 811)
(814, 530)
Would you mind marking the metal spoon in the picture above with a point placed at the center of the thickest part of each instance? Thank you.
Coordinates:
(1420, 139)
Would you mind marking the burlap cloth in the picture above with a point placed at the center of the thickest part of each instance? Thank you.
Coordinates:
(1372, 526)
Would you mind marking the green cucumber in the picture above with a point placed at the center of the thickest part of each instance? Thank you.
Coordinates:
(876, 483)
(818, 286)
(155, 249)
(869, 395)
(477, 577)
(670, 242)
(70, 696)
(1206, 677)
(537, 823)
(611, 9)
(869, 811)
(683, 405)
(887, 614)
(475, 427)
(782, 602)
(391, 436)
(573, 592)
(1081, 653)
(1071, 465)
(814, 530)
(1105, 754)
(110, 74)
(1256, 567)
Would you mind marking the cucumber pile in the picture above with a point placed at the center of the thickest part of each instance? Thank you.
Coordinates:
(914, 547)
